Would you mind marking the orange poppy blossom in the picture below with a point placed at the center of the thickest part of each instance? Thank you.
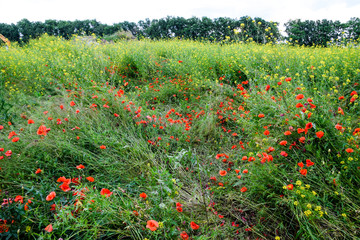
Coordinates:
(179, 207)
(284, 154)
(194, 226)
(320, 134)
(30, 121)
(11, 134)
(143, 195)
(42, 130)
(90, 179)
(290, 186)
(19, 199)
(222, 173)
(51, 196)
(300, 96)
(184, 235)
(152, 225)
(106, 192)
(65, 187)
(49, 228)
(309, 163)
(135, 213)
(349, 150)
(38, 171)
(243, 189)
(303, 172)
(80, 166)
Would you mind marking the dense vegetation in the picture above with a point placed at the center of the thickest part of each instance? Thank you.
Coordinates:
(177, 139)
(299, 32)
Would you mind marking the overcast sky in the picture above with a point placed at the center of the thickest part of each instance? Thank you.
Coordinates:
(112, 11)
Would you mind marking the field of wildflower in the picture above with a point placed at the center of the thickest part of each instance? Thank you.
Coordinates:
(179, 140)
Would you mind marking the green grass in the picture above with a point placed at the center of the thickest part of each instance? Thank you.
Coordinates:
(167, 112)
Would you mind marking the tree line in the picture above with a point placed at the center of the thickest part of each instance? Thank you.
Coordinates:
(306, 32)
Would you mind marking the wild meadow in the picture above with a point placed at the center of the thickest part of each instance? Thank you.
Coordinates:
(179, 140)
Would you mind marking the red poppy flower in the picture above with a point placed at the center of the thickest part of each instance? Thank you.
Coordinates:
(261, 115)
(309, 125)
(194, 226)
(300, 96)
(152, 225)
(266, 132)
(243, 189)
(8, 153)
(90, 179)
(349, 150)
(320, 134)
(184, 236)
(287, 133)
(303, 172)
(353, 93)
(19, 199)
(65, 187)
(51, 196)
(15, 139)
(38, 171)
(339, 127)
(179, 209)
(64, 180)
(11, 134)
(102, 147)
(309, 163)
(30, 121)
(284, 154)
(290, 187)
(300, 164)
(222, 173)
(213, 178)
(299, 105)
(283, 143)
(245, 171)
(302, 139)
(340, 111)
(300, 130)
(49, 228)
(143, 195)
(80, 166)
(356, 131)
(1, 127)
(42, 130)
(72, 103)
(106, 192)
